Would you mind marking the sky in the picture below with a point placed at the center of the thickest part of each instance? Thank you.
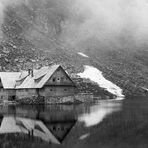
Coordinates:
(106, 19)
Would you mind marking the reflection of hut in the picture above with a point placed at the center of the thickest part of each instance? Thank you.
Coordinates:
(59, 123)
(54, 119)
(60, 129)
(30, 127)
(53, 130)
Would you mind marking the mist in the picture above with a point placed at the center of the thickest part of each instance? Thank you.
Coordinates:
(83, 23)
(118, 22)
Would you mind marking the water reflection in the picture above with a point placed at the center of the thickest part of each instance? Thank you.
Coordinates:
(54, 123)
(98, 112)
(34, 128)
(122, 124)
(49, 123)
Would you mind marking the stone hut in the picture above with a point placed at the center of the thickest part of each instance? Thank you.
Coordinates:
(48, 82)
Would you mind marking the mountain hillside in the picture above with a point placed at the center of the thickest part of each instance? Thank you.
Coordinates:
(41, 33)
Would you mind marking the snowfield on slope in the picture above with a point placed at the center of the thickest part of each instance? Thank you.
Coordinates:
(96, 75)
(83, 55)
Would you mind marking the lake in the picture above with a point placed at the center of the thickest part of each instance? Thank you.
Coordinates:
(104, 124)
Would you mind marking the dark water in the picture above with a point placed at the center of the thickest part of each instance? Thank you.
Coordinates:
(105, 124)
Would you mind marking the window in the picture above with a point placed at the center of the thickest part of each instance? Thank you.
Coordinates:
(54, 128)
(65, 89)
(50, 89)
(54, 79)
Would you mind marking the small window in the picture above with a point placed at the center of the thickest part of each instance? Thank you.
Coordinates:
(59, 128)
(58, 79)
(54, 79)
(65, 89)
(54, 128)
(50, 89)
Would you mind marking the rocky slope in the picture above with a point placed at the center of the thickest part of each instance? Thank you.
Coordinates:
(34, 34)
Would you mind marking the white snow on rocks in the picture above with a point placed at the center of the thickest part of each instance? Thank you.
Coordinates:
(83, 55)
(84, 136)
(96, 75)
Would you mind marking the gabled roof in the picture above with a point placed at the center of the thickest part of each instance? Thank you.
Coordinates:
(21, 80)
(8, 79)
(23, 75)
(45, 73)
(41, 72)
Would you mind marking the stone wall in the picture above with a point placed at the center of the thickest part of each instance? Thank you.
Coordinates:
(6, 94)
(49, 91)
(78, 98)
(84, 97)
(59, 100)
(3, 94)
(31, 100)
(26, 93)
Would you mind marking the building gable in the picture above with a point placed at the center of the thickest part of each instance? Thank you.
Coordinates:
(60, 77)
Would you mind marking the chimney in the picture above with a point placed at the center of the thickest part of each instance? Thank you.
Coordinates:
(30, 72)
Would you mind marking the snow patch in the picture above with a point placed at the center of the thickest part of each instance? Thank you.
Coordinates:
(84, 136)
(83, 55)
(96, 75)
